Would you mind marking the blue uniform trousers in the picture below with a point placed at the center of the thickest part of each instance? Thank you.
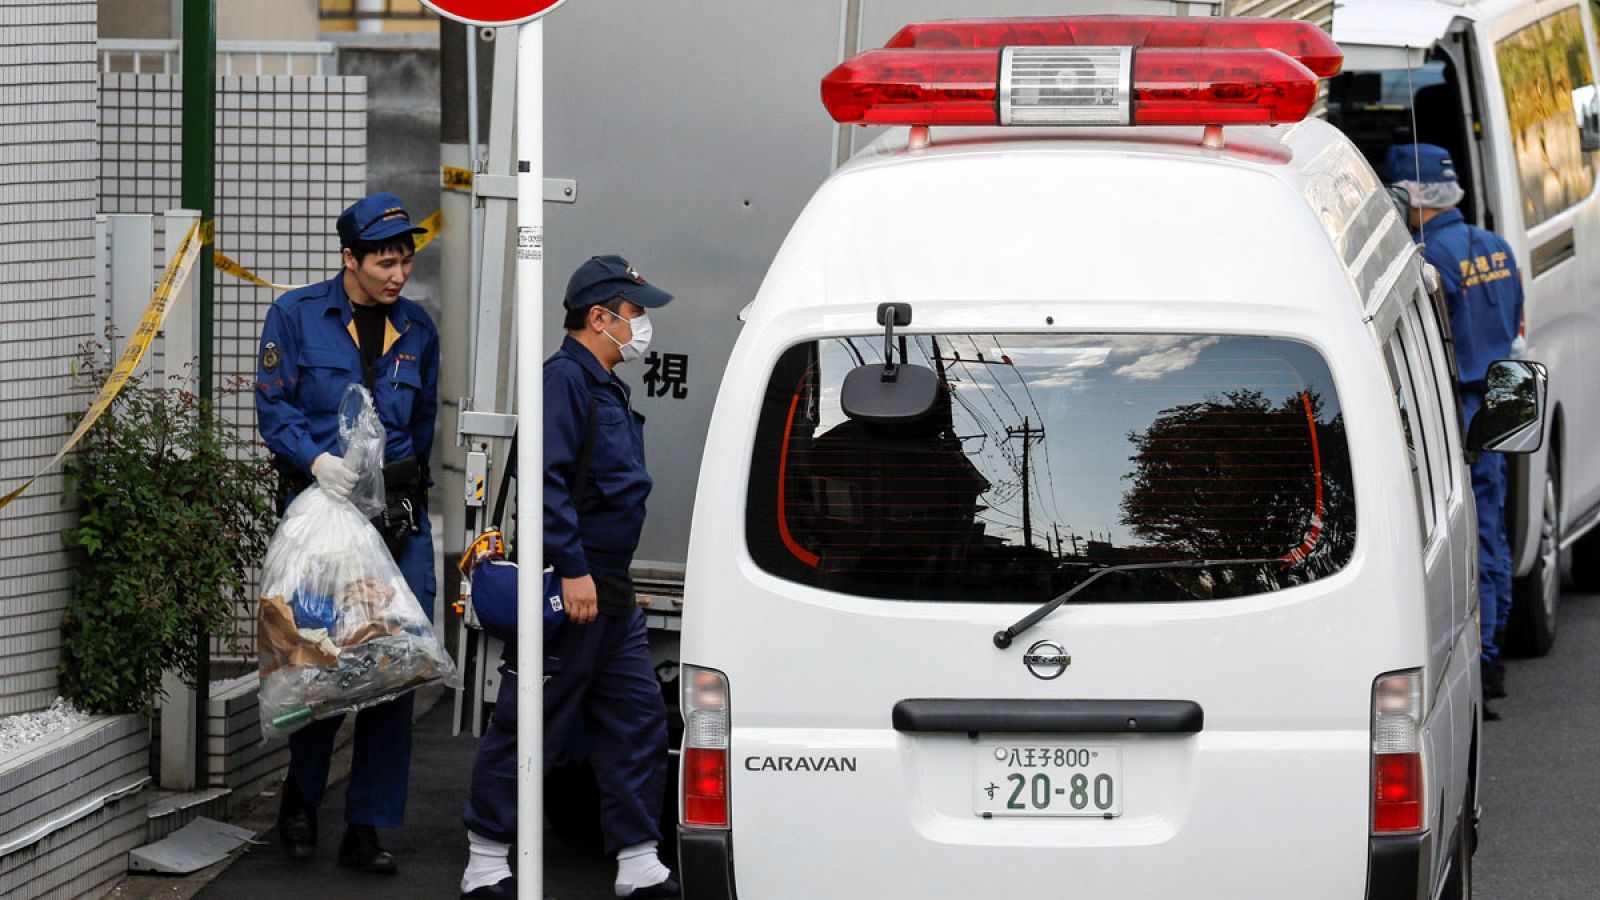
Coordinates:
(381, 764)
(600, 675)
(1494, 549)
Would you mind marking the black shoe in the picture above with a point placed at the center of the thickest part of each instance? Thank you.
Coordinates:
(297, 824)
(1489, 715)
(1494, 680)
(360, 851)
(668, 888)
(505, 887)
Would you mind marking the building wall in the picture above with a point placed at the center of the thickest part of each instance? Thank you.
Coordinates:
(378, 16)
(47, 206)
(237, 20)
(278, 20)
(291, 154)
(135, 18)
(403, 138)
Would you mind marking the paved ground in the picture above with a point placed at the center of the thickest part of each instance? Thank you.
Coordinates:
(431, 848)
(1541, 788)
(1541, 793)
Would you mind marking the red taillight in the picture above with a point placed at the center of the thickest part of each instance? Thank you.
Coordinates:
(705, 787)
(1399, 796)
(1397, 792)
(1069, 86)
(705, 748)
(1302, 41)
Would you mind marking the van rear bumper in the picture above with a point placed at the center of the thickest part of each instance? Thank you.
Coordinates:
(705, 863)
(1399, 867)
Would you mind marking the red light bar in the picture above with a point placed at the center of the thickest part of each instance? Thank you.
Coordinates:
(1168, 87)
(1220, 87)
(915, 87)
(1302, 41)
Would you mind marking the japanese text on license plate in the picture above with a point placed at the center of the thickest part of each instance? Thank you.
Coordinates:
(1014, 779)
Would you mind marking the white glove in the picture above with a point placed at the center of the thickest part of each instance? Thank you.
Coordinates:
(333, 476)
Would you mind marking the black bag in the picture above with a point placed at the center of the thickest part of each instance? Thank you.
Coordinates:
(405, 487)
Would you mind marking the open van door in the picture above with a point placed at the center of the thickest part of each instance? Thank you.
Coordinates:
(1379, 35)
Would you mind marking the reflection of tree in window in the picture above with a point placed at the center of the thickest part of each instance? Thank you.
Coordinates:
(1542, 68)
(1512, 399)
(1237, 477)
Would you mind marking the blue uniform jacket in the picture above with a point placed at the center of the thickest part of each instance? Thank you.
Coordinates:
(309, 356)
(1482, 287)
(596, 526)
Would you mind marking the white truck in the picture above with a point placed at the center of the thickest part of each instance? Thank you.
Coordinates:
(1509, 88)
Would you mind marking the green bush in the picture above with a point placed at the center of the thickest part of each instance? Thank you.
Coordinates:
(174, 515)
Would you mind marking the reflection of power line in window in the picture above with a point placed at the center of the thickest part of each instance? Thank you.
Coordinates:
(995, 439)
(850, 345)
(990, 425)
(1044, 442)
(1018, 459)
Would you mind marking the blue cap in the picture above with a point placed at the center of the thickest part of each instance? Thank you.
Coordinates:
(605, 278)
(1423, 163)
(375, 218)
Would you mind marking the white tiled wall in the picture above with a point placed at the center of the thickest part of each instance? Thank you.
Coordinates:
(291, 153)
(47, 206)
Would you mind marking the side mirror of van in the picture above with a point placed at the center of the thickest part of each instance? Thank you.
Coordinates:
(1588, 118)
(891, 393)
(1511, 419)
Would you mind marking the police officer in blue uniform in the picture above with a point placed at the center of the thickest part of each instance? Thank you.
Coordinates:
(598, 663)
(1483, 289)
(355, 328)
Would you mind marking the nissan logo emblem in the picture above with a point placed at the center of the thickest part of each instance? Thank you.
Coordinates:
(1047, 660)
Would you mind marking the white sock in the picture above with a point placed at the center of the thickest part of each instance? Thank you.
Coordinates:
(639, 867)
(486, 863)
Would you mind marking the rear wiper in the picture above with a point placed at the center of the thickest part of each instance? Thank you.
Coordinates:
(1003, 639)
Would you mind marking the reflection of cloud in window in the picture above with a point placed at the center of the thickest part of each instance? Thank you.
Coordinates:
(1057, 367)
(1156, 361)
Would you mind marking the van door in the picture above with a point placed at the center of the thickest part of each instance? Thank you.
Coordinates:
(1546, 78)
(1448, 536)
(1203, 694)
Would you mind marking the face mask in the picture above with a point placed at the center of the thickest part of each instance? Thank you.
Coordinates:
(636, 348)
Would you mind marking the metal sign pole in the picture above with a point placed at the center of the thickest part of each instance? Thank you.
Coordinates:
(530, 457)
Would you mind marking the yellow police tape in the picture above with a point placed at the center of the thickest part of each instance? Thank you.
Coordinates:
(178, 271)
(224, 264)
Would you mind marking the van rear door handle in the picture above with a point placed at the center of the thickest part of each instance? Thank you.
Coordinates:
(1049, 716)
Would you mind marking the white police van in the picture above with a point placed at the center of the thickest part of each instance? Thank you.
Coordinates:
(1509, 88)
(1084, 510)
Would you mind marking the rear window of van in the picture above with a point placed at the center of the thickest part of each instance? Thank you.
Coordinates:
(1048, 458)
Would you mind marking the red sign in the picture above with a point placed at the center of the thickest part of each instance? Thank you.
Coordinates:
(492, 12)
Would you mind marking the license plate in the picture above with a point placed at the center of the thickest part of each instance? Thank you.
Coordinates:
(1048, 779)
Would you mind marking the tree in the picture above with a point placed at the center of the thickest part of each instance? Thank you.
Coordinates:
(1237, 477)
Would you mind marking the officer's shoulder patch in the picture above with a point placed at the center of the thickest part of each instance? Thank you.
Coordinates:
(270, 355)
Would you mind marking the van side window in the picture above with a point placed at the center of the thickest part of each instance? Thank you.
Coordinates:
(1423, 379)
(1550, 95)
(1049, 457)
(1432, 340)
(1394, 357)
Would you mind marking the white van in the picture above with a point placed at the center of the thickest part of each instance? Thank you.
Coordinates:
(1508, 87)
(1084, 509)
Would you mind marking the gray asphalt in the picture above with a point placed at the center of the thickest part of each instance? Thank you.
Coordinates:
(1541, 770)
(431, 848)
(1540, 793)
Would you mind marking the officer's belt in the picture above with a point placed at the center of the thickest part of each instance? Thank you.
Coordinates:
(403, 476)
